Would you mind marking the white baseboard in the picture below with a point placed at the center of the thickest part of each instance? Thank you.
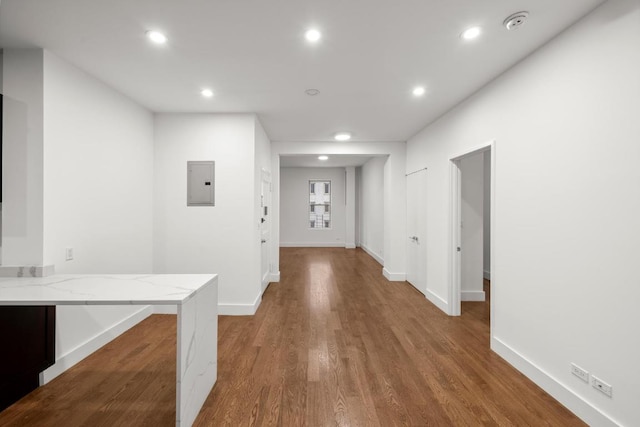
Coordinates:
(239, 309)
(576, 404)
(394, 277)
(437, 301)
(373, 254)
(472, 296)
(275, 277)
(486, 274)
(350, 245)
(312, 245)
(76, 355)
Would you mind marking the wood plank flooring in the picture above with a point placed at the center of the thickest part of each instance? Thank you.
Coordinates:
(332, 344)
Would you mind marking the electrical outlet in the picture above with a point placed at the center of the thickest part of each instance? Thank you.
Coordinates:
(600, 385)
(68, 254)
(580, 373)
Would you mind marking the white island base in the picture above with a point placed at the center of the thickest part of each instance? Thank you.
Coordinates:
(196, 298)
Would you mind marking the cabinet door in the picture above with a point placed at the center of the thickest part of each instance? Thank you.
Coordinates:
(27, 339)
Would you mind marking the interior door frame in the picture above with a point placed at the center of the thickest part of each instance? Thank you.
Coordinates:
(266, 200)
(455, 215)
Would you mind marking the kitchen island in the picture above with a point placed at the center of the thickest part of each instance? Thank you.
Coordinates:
(196, 298)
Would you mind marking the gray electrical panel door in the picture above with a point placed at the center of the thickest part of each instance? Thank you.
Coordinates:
(200, 183)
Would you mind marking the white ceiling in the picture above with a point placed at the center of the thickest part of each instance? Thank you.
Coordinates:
(253, 54)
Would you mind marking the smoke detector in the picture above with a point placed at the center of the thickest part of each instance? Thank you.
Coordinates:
(515, 21)
(312, 92)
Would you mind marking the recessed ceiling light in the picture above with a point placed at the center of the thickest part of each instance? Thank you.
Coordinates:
(323, 157)
(419, 91)
(312, 92)
(157, 37)
(471, 33)
(312, 35)
(342, 136)
(207, 93)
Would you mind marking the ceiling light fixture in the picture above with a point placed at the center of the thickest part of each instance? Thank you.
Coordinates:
(312, 92)
(313, 35)
(471, 33)
(157, 37)
(342, 136)
(419, 91)
(323, 158)
(207, 93)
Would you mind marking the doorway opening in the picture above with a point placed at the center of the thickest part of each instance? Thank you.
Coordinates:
(472, 228)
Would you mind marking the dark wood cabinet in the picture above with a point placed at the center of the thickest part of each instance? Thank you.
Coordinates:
(27, 343)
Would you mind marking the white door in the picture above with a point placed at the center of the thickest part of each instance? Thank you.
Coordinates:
(265, 226)
(417, 230)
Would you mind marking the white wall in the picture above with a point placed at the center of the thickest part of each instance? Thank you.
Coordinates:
(98, 175)
(98, 166)
(486, 217)
(77, 174)
(564, 277)
(350, 207)
(472, 210)
(22, 211)
(294, 207)
(393, 191)
(371, 222)
(222, 239)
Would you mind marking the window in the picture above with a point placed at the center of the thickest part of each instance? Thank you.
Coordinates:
(319, 204)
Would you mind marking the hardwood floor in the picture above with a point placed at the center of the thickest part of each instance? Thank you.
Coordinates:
(333, 343)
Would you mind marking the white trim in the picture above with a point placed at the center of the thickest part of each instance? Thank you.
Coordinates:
(265, 282)
(311, 245)
(492, 240)
(437, 301)
(567, 397)
(92, 344)
(275, 277)
(239, 309)
(472, 296)
(486, 275)
(472, 151)
(394, 277)
(350, 246)
(373, 254)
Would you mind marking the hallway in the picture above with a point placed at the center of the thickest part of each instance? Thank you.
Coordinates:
(333, 343)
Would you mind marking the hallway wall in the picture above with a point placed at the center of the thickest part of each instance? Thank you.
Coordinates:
(564, 281)
(372, 208)
(294, 208)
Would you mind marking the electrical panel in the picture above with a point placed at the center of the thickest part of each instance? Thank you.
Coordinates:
(201, 183)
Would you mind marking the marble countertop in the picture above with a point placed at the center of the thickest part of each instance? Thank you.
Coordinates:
(102, 289)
